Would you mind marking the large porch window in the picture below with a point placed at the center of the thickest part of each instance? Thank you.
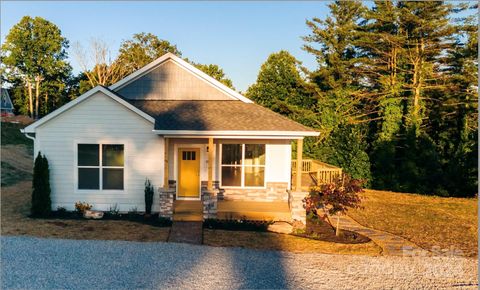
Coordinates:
(243, 165)
(100, 166)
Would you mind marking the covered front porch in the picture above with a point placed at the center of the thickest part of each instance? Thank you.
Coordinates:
(196, 187)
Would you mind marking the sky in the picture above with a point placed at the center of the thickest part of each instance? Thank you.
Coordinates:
(237, 36)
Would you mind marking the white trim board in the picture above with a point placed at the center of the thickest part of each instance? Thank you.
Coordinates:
(31, 128)
(237, 134)
(185, 65)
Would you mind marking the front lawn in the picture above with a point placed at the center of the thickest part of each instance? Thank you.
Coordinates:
(15, 202)
(428, 221)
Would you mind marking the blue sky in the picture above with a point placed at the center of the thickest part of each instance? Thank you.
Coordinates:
(238, 36)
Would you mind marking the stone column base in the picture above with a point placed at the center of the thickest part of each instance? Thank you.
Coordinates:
(210, 202)
(167, 196)
(297, 206)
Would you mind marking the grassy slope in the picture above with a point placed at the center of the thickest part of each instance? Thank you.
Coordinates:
(16, 152)
(429, 221)
(11, 135)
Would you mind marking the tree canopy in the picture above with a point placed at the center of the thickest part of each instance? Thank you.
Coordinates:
(34, 59)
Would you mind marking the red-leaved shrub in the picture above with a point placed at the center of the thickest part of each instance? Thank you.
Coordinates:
(333, 198)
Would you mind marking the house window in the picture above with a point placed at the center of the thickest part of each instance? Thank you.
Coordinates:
(100, 166)
(243, 165)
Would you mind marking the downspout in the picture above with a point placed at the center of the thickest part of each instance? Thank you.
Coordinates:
(26, 135)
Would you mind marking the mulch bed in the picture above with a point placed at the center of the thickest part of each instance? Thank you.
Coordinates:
(319, 229)
(236, 225)
(153, 219)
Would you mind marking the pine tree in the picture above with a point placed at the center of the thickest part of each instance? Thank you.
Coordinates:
(341, 101)
(41, 203)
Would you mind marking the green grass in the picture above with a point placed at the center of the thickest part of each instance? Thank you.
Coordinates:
(11, 135)
(428, 221)
(11, 175)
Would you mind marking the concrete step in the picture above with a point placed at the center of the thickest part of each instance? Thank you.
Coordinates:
(188, 217)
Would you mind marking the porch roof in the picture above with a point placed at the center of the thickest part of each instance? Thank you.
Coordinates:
(220, 117)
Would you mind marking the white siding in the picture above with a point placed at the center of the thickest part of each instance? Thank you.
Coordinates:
(100, 119)
(278, 163)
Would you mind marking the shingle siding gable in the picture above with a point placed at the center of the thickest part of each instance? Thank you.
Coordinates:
(169, 81)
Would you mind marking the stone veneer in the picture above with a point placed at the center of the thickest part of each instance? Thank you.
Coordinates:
(274, 191)
(210, 202)
(296, 204)
(167, 197)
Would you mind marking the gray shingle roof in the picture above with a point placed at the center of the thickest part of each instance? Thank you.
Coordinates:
(215, 116)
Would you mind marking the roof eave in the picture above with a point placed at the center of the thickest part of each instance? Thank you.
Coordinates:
(237, 134)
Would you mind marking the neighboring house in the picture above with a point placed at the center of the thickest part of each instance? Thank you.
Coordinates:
(6, 107)
(192, 136)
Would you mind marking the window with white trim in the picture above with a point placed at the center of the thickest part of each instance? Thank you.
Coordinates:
(100, 166)
(243, 165)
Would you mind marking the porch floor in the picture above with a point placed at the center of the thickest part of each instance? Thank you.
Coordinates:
(253, 210)
(188, 210)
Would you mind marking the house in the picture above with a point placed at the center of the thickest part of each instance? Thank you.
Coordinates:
(6, 107)
(204, 146)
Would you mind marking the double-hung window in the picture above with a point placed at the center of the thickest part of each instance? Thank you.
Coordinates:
(243, 165)
(100, 166)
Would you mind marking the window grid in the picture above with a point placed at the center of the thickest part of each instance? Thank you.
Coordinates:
(100, 167)
(242, 166)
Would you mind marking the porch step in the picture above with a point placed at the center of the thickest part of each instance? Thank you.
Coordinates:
(252, 210)
(187, 210)
(187, 217)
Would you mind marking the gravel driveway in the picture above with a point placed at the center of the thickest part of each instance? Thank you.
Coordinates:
(51, 263)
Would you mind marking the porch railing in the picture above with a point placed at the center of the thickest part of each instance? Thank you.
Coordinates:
(321, 172)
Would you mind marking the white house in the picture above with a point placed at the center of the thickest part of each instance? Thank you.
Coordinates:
(192, 136)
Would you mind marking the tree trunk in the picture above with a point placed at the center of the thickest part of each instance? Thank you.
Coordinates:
(337, 228)
(30, 98)
(46, 103)
(37, 95)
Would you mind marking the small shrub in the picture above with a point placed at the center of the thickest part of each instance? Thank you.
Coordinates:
(81, 207)
(133, 213)
(41, 202)
(333, 198)
(114, 210)
(149, 191)
(163, 222)
(61, 210)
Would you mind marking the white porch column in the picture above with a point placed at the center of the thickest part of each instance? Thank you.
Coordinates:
(210, 164)
(298, 182)
(165, 168)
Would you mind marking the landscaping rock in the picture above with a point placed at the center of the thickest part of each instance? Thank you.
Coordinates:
(93, 214)
(280, 227)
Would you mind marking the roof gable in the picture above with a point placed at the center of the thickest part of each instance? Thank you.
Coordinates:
(171, 78)
(31, 128)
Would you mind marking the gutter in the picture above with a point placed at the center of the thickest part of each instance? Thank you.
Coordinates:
(26, 135)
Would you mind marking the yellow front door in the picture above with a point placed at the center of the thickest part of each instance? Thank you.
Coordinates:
(188, 173)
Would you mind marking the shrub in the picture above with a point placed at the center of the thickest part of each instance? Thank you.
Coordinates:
(333, 198)
(41, 202)
(114, 210)
(81, 207)
(149, 191)
(61, 210)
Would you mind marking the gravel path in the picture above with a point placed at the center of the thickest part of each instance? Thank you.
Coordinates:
(34, 263)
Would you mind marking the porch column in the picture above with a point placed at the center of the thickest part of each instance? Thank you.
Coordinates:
(298, 182)
(210, 164)
(165, 165)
